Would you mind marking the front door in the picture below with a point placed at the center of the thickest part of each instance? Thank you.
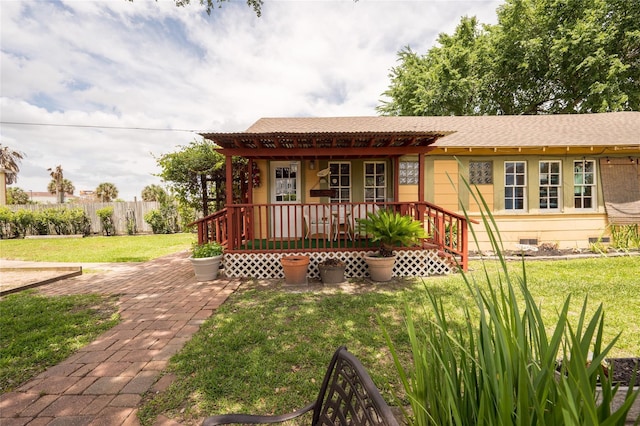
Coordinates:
(286, 220)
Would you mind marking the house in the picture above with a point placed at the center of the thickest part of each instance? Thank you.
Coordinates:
(557, 178)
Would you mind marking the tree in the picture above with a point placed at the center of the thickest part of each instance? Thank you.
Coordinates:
(189, 171)
(543, 56)
(256, 5)
(58, 180)
(10, 160)
(106, 192)
(153, 193)
(17, 196)
(67, 187)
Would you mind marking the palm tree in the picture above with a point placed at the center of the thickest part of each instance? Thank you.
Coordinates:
(58, 179)
(67, 187)
(9, 160)
(153, 193)
(106, 192)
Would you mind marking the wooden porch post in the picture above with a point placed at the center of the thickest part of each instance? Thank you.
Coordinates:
(421, 174)
(250, 178)
(229, 203)
(396, 179)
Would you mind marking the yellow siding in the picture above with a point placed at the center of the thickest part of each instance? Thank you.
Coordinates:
(567, 231)
(446, 194)
(487, 193)
(408, 193)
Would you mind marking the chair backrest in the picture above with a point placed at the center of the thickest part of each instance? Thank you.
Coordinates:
(316, 213)
(348, 396)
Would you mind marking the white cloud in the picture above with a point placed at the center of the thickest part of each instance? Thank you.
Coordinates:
(149, 64)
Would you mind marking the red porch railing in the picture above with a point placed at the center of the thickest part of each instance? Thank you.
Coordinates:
(251, 228)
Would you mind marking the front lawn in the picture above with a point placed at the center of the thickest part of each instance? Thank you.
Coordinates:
(267, 351)
(121, 248)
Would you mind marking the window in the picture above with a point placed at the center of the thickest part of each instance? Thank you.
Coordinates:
(409, 173)
(584, 184)
(285, 184)
(515, 183)
(375, 182)
(340, 179)
(550, 184)
(480, 172)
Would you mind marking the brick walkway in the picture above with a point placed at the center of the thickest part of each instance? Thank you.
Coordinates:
(161, 306)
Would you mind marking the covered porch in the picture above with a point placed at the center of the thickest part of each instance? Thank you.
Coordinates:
(288, 214)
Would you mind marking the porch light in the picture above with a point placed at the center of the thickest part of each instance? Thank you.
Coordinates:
(293, 167)
(312, 164)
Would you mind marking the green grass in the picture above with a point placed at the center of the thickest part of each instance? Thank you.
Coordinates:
(266, 351)
(37, 332)
(136, 248)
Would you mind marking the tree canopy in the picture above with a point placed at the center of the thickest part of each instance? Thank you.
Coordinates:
(10, 160)
(188, 171)
(153, 193)
(106, 192)
(67, 187)
(543, 56)
(17, 196)
(256, 5)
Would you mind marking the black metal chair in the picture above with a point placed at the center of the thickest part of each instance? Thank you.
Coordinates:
(348, 396)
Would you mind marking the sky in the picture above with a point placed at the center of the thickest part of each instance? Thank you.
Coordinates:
(108, 86)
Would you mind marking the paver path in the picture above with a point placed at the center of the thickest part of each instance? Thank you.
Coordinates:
(161, 306)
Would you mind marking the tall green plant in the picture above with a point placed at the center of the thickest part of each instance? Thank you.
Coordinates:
(625, 237)
(500, 367)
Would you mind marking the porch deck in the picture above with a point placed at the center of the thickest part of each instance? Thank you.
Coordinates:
(256, 236)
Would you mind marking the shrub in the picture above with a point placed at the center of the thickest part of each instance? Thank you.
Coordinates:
(106, 220)
(7, 227)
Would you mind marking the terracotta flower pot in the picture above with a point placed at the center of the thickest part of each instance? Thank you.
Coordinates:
(295, 269)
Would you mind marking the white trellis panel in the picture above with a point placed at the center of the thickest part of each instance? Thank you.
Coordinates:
(417, 263)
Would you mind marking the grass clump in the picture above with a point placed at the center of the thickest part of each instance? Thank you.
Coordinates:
(38, 332)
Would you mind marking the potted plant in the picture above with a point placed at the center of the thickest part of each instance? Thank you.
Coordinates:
(206, 259)
(332, 271)
(391, 229)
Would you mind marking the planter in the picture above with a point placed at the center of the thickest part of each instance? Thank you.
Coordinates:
(331, 274)
(380, 268)
(295, 269)
(622, 369)
(206, 268)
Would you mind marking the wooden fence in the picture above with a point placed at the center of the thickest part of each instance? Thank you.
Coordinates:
(120, 210)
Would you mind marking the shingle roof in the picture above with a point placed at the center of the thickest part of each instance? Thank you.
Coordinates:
(604, 129)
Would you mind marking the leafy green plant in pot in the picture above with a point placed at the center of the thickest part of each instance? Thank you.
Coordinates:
(206, 259)
(391, 229)
(332, 271)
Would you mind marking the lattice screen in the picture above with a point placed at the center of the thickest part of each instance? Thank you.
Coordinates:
(419, 263)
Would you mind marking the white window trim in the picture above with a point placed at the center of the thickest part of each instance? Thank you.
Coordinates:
(524, 208)
(559, 186)
(594, 189)
(339, 187)
(374, 187)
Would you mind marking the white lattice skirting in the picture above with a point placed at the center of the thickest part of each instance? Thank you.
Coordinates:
(416, 263)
